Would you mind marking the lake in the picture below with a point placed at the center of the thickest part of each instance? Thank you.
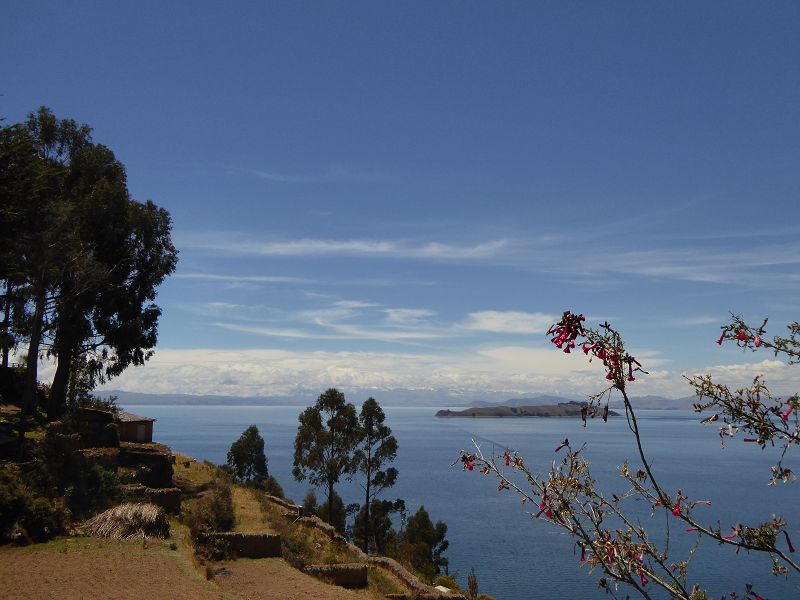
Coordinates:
(516, 557)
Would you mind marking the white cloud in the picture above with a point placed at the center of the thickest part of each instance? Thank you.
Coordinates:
(406, 316)
(240, 278)
(235, 244)
(332, 175)
(509, 322)
(509, 370)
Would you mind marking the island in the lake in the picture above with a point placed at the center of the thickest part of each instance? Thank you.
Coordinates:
(562, 409)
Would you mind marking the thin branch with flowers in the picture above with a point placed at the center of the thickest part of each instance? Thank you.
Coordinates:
(610, 540)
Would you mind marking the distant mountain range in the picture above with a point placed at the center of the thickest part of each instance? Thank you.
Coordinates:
(389, 398)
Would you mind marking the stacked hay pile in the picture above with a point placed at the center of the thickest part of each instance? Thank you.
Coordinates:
(129, 521)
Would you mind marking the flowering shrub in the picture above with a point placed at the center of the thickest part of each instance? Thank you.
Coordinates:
(611, 541)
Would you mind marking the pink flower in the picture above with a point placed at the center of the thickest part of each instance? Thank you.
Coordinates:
(757, 342)
(788, 541)
(692, 529)
(785, 416)
(644, 579)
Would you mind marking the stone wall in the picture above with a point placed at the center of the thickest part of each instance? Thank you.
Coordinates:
(247, 545)
(418, 590)
(167, 498)
(288, 506)
(349, 575)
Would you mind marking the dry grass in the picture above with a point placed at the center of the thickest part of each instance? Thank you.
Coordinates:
(249, 518)
(194, 471)
(129, 521)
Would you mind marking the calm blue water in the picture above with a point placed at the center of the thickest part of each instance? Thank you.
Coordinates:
(514, 556)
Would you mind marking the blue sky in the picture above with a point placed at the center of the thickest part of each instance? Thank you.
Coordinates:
(399, 196)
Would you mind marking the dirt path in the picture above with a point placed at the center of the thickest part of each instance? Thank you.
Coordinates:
(274, 579)
(249, 517)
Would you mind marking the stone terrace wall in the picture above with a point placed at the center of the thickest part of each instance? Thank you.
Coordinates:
(418, 589)
(288, 506)
(248, 545)
(346, 575)
(167, 498)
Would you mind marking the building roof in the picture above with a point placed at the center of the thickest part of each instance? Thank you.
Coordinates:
(127, 417)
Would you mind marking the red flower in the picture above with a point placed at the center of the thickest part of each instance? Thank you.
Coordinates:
(757, 342)
(742, 335)
(469, 464)
(785, 416)
(722, 337)
(508, 459)
(677, 510)
(644, 579)
(788, 541)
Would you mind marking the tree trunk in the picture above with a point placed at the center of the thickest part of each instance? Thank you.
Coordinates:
(330, 502)
(65, 343)
(6, 322)
(366, 512)
(58, 389)
(31, 369)
(32, 363)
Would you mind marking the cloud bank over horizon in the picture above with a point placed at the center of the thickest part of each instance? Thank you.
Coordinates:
(488, 373)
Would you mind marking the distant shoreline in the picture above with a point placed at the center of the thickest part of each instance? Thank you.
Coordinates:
(563, 409)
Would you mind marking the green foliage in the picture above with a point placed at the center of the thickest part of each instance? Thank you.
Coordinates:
(81, 259)
(211, 512)
(326, 442)
(89, 488)
(32, 517)
(382, 533)
(246, 458)
(424, 544)
(272, 487)
(377, 446)
(333, 511)
(310, 503)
